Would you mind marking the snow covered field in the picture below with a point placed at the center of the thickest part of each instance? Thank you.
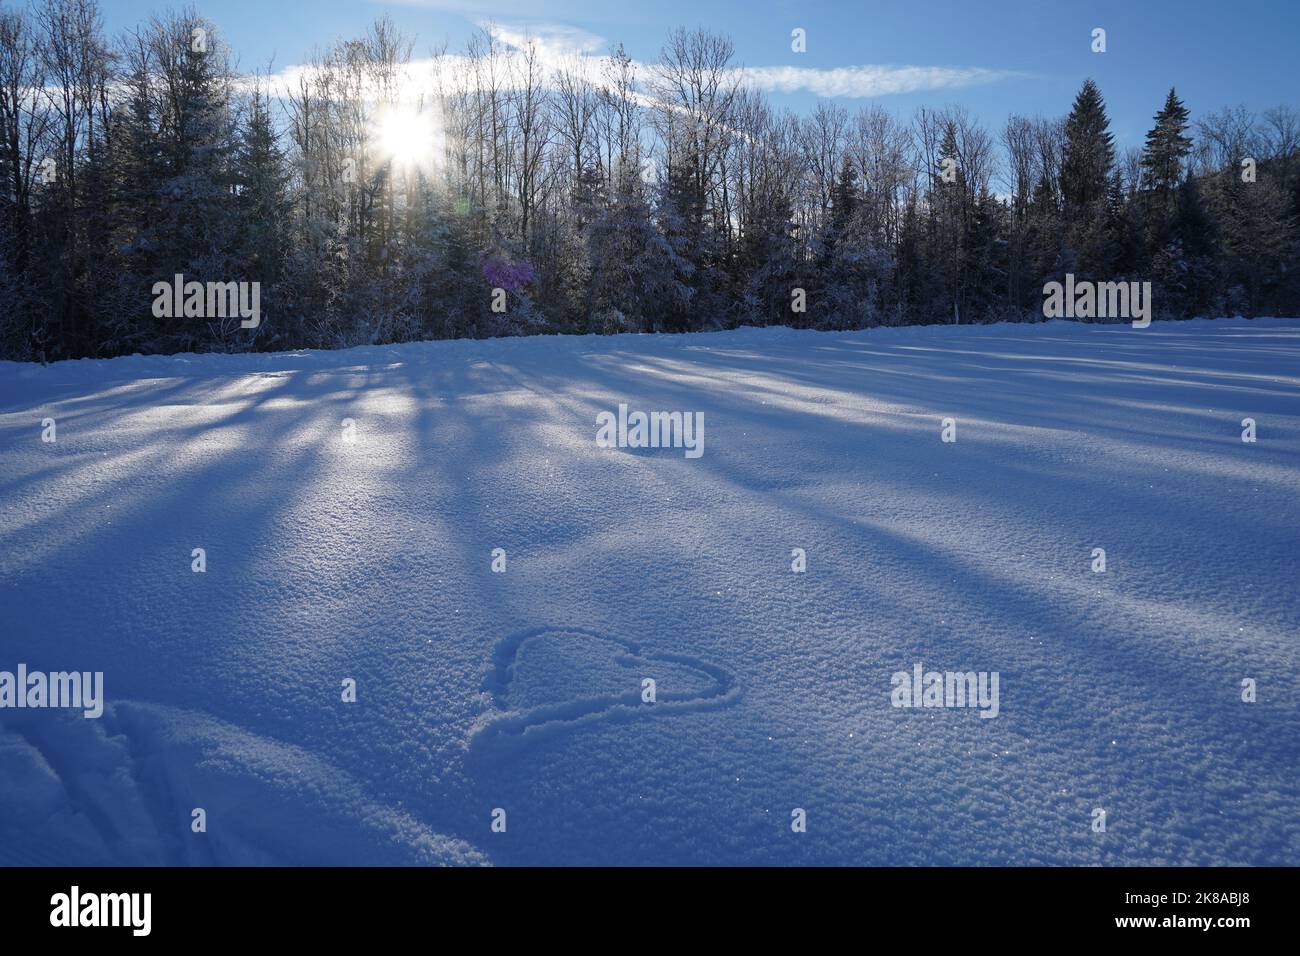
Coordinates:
(371, 559)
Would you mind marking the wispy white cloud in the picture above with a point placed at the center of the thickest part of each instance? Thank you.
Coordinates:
(468, 8)
(557, 42)
(553, 40)
(560, 45)
(871, 79)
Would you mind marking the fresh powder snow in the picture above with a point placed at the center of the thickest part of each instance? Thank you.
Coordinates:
(434, 530)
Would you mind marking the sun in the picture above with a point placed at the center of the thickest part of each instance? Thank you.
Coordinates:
(407, 137)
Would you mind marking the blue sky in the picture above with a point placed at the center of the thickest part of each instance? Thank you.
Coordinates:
(1216, 53)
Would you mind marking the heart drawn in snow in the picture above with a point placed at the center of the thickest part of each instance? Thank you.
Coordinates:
(550, 679)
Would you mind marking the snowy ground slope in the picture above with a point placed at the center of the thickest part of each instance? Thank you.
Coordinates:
(328, 560)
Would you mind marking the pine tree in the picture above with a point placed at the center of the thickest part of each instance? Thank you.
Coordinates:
(844, 202)
(843, 250)
(950, 218)
(198, 223)
(1122, 232)
(136, 167)
(768, 259)
(1045, 250)
(985, 258)
(1089, 156)
(1089, 152)
(918, 287)
(1186, 269)
(261, 178)
(1166, 147)
(637, 272)
(1258, 238)
(679, 212)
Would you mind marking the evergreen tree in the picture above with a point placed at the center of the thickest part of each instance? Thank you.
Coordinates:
(1258, 240)
(844, 203)
(195, 232)
(849, 265)
(1089, 155)
(1123, 252)
(949, 223)
(637, 272)
(768, 259)
(985, 258)
(1187, 277)
(260, 176)
(1045, 247)
(1166, 147)
(261, 179)
(680, 215)
(917, 284)
(1089, 152)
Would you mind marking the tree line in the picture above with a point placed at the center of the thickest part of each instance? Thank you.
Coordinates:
(578, 194)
